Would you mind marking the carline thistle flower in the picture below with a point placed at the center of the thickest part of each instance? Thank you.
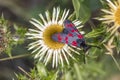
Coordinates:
(112, 16)
(46, 49)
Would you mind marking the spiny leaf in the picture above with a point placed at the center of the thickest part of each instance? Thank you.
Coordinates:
(82, 11)
(95, 33)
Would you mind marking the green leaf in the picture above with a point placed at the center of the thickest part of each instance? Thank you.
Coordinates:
(41, 70)
(95, 4)
(78, 73)
(95, 33)
(68, 76)
(76, 5)
(117, 43)
(82, 10)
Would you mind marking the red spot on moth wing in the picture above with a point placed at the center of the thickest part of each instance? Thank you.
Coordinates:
(66, 40)
(70, 25)
(80, 36)
(74, 43)
(59, 37)
(76, 30)
(70, 34)
(73, 30)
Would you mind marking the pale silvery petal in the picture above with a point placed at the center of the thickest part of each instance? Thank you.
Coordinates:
(57, 14)
(65, 56)
(47, 16)
(38, 22)
(112, 4)
(36, 25)
(53, 16)
(43, 19)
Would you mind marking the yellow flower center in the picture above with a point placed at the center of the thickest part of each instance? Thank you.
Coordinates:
(117, 15)
(47, 36)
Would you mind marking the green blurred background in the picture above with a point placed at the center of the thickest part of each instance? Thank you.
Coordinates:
(21, 11)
